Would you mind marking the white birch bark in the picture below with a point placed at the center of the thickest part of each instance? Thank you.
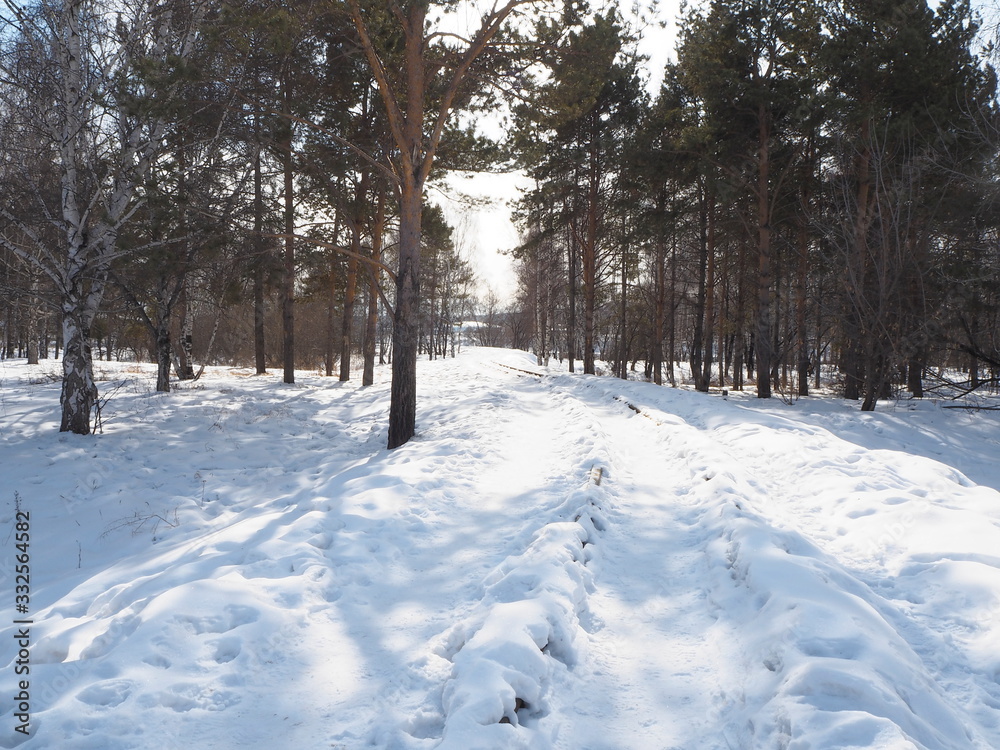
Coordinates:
(103, 155)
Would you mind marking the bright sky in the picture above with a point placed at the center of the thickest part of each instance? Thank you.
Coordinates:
(658, 44)
(483, 230)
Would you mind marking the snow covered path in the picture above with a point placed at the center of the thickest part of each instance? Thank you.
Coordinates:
(241, 563)
(660, 656)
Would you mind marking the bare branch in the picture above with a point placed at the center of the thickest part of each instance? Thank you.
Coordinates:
(336, 248)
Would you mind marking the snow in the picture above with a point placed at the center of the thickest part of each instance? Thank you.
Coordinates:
(555, 561)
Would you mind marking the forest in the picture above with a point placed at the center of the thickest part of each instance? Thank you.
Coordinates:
(808, 201)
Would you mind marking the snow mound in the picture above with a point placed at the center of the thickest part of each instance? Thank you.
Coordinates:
(527, 629)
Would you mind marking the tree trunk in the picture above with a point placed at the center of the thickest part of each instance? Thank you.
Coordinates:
(288, 282)
(706, 379)
(331, 300)
(185, 352)
(260, 356)
(590, 249)
(571, 303)
(801, 304)
(79, 391)
(853, 356)
(32, 345)
(818, 370)
(623, 315)
(764, 350)
(914, 376)
(698, 338)
(541, 308)
(403, 394)
(351, 285)
(739, 332)
(371, 324)
(672, 347)
(79, 306)
(347, 321)
(850, 360)
(660, 305)
(801, 286)
(876, 383)
(416, 141)
(31, 322)
(163, 352)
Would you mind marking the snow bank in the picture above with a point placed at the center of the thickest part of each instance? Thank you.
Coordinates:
(860, 584)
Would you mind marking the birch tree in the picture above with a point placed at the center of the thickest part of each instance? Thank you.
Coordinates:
(67, 67)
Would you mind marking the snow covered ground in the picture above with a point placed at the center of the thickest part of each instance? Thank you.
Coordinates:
(555, 561)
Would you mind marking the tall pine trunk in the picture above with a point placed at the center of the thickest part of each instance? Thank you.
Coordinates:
(260, 355)
(571, 302)
(590, 248)
(371, 322)
(351, 285)
(706, 378)
(288, 282)
(764, 334)
(801, 305)
(698, 335)
(853, 354)
(672, 345)
(622, 315)
(405, 332)
(331, 303)
(659, 274)
(801, 286)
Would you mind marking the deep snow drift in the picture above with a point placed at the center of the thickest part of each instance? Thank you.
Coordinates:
(555, 561)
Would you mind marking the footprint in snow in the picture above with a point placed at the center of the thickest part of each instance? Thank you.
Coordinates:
(187, 696)
(158, 660)
(233, 617)
(321, 541)
(226, 650)
(106, 694)
(118, 631)
(861, 513)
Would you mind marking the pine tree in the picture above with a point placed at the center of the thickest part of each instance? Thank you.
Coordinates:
(422, 76)
(746, 62)
(582, 117)
(909, 95)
